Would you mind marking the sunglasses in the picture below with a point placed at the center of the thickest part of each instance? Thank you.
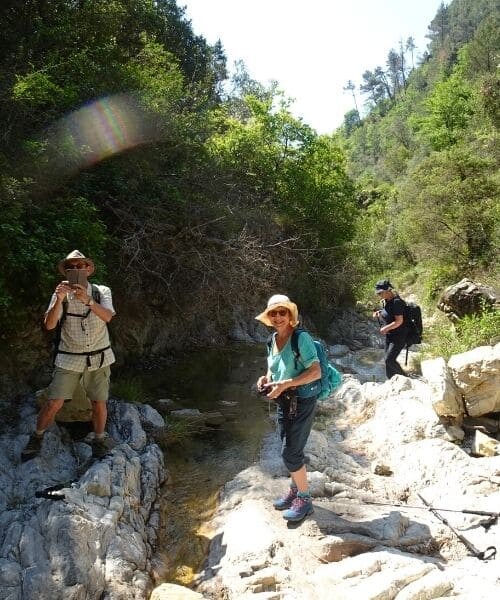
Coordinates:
(281, 312)
(70, 266)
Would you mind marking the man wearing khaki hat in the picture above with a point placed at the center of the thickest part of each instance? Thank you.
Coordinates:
(83, 353)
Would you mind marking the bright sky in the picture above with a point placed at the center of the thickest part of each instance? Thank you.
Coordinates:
(312, 48)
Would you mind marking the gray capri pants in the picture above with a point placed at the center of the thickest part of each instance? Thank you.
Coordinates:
(294, 432)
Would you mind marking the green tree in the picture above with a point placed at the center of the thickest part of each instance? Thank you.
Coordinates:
(449, 210)
(449, 111)
(296, 173)
(439, 27)
(351, 87)
(411, 47)
(351, 122)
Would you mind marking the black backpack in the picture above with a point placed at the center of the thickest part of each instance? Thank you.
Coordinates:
(413, 319)
(414, 324)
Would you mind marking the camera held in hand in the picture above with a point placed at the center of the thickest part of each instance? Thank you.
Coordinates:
(288, 395)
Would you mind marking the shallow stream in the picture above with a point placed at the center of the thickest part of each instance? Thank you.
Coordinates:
(211, 381)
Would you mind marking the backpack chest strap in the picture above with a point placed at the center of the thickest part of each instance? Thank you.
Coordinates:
(88, 354)
(84, 316)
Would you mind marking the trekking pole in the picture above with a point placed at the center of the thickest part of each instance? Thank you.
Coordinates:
(483, 513)
(52, 492)
(487, 554)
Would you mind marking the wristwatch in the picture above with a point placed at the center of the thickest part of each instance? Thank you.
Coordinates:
(90, 302)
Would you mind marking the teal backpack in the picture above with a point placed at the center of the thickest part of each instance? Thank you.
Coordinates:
(331, 379)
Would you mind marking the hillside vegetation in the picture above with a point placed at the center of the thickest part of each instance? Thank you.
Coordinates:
(218, 199)
(425, 157)
(197, 195)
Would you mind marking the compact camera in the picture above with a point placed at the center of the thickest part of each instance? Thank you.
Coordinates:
(77, 276)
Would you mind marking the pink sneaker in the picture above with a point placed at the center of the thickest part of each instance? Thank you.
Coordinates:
(301, 507)
(286, 501)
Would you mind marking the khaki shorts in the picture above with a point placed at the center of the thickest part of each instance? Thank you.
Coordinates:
(95, 383)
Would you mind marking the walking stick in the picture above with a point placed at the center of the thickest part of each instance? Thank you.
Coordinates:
(483, 513)
(52, 492)
(487, 554)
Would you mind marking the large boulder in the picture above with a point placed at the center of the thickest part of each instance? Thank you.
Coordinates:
(465, 298)
(446, 398)
(477, 375)
(362, 541)
(97, 540)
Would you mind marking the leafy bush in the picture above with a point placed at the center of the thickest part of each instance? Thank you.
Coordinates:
(446, 339)
(439, 277)
(34, 236)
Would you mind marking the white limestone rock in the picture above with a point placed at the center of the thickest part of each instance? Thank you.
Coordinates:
(477, 375)
(171, 591)
(446, 397)
(105, 524)
(149, 416)
(338, 350)
(484, 445)
(317, 450)
(317, 481)
(432, 585)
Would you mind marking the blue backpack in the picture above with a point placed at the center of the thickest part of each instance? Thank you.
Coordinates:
(331, 379)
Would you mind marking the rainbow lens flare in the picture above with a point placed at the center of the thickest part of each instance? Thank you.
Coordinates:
(97, 131)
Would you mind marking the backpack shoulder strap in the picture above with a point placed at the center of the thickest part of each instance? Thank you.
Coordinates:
(96, 294)
(294, 343)
(64, 312)
(269, 342)
(57, 337)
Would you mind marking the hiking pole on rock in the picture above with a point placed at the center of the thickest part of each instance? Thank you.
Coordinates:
(493, 516)
(52, 492)
(487, 554)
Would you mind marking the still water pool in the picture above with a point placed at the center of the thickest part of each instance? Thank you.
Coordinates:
(211, 381)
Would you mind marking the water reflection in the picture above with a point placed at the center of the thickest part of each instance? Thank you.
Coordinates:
(210, 380)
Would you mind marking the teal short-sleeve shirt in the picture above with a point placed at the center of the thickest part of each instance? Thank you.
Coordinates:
(283, 365)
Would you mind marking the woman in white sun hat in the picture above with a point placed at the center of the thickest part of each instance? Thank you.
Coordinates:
(294, 384)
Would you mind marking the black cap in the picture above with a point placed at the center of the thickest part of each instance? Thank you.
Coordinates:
(383, 285)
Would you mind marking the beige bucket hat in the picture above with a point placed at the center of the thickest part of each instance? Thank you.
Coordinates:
(275, 302)
(75, 255)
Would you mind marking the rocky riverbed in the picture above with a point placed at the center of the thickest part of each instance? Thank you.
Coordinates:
(377, 449)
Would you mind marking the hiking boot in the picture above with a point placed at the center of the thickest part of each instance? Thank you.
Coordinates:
(101, 447)
(32, 448)
(286, 501)
(300, 508)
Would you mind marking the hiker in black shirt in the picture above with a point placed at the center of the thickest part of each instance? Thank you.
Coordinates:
(394, 327)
